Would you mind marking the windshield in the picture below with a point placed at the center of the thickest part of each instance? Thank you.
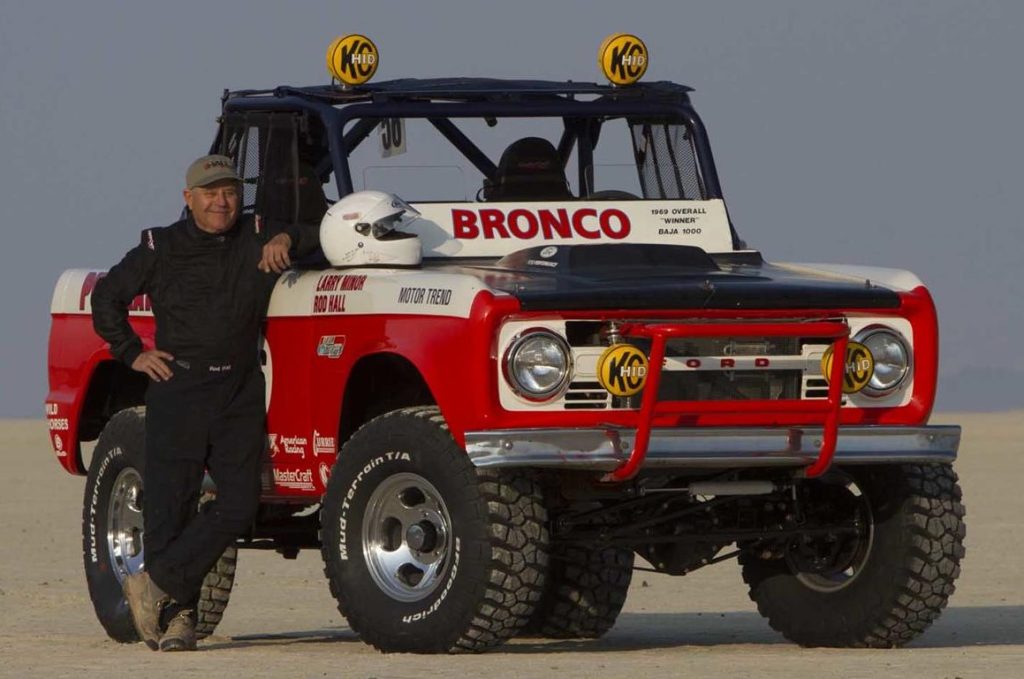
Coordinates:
(525, 159)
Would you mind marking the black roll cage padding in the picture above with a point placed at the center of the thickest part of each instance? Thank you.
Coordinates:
(465, 146)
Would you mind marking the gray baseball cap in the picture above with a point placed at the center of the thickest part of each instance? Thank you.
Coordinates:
(210, 169)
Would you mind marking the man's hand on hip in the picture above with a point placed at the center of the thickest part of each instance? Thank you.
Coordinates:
(154, 364)
(275, 254)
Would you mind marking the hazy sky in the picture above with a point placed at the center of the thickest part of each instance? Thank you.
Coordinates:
(883, 133)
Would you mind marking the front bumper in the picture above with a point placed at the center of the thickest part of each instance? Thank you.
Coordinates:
(602, 449)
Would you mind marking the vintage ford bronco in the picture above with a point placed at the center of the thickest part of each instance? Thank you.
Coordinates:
(582, 364)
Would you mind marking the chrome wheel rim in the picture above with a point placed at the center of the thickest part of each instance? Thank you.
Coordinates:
(407, 537)
(124, 524)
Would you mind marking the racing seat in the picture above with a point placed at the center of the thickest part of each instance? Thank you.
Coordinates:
(529, 169)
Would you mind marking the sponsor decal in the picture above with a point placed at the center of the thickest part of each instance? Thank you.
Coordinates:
(323, 445)
(860, 366)
(520, 223)
(292, 445)
(149, 232)
(325, 473)
(428, 296)
(140, 303)
(329, 304)
(330, 346)
(58, 445)
(296, 479)
(331, 289)
(336, 282)
(622, 370)
(623, 58)
(549, 251)
(55, 423)
(541, 262)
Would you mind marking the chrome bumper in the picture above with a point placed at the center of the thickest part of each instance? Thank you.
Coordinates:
(606, 449)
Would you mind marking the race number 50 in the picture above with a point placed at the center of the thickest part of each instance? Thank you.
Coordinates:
(392, 137)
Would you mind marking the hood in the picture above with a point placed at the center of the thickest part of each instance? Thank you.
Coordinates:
(626, 276)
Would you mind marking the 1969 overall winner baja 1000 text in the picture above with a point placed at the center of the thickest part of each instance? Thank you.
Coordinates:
(485, 403)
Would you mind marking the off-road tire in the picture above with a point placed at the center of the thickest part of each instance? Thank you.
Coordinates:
(906, 578)
(120, 449)
(490, 560)
(584, 592)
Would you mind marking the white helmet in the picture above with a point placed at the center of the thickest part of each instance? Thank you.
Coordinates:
(361, 229)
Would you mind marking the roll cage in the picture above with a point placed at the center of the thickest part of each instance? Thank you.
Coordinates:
(349, 115)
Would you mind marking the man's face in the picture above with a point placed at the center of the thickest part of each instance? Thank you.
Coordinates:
(214, 206)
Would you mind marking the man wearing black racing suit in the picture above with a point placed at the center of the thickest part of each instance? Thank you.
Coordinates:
(209, 279)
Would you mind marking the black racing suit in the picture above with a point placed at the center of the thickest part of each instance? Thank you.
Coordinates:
(209, 299)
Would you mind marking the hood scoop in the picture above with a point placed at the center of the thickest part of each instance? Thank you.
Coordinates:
(611, 260)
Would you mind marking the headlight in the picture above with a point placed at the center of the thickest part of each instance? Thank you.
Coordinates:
(892, 359)
(537, 365)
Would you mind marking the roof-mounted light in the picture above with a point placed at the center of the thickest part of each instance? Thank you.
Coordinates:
(623, 58)
(352, 59)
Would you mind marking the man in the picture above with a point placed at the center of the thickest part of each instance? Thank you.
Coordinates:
(209, 279)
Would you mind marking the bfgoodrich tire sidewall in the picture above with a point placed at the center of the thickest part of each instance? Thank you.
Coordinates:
(119, 448)
(444, 614)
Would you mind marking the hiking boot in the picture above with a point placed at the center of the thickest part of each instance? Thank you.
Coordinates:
(145, 600)
(180, 634)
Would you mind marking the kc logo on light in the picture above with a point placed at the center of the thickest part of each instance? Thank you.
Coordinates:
(859, 368)
(622, 370)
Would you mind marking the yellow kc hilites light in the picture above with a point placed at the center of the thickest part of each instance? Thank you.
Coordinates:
(622, 370)
(623, 58)
(860, 366)
(352, 59)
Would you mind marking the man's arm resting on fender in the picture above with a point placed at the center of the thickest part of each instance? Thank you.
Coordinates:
(111, 298)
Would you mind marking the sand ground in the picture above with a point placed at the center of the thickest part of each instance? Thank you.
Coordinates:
(282, 621)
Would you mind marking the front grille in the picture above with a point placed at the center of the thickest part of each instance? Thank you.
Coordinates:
(710, 369)
(586, 396)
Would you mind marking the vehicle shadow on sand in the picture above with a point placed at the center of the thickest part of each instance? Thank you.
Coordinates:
(317, 636)
(959, 626)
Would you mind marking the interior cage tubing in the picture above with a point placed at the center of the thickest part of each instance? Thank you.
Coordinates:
(659, 334)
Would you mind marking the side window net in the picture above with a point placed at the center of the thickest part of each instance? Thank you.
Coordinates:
(281, 164)
(666, 161)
